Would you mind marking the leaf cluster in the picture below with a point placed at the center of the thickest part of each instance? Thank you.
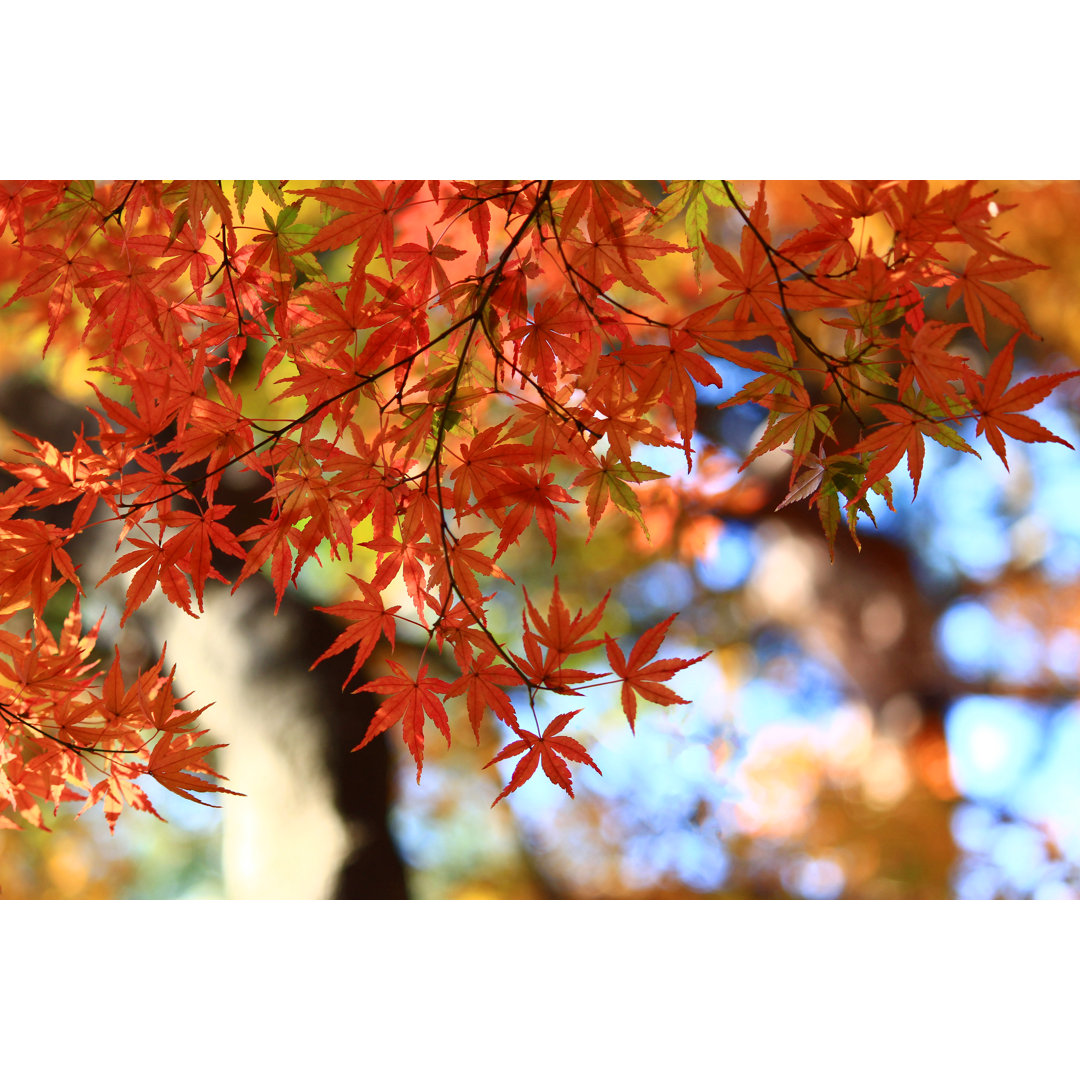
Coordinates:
(495, 354)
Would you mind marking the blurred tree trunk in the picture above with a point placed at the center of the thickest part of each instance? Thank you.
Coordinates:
(313, 822)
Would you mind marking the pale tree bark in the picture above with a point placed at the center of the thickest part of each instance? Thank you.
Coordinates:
(313, 820)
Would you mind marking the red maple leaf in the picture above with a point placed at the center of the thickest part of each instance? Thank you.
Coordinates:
(483, 686)
(528, 495)
(903, 434)
(972, 283)
(423, 264)
(547, 750)
(932, 366)
(60, 271)
(486, 463)
(176, 762)
(368, 218)
(494, 355)
(550, 339)
(409, 701)
(1000, 409)
(370, 620)
(668, 370)
(559, 632)
(645, 679)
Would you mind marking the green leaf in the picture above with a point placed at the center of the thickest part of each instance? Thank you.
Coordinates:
(179, 221)
(951, 438)
(844, 475)
(697, 225)
(828, 506)
(272, 190)
(672, 205)
(715, 193)
(308, 265)
(623, 496)
(636, 473)
(286, 218)
(294, 236)
(78, 199)
(241, 193)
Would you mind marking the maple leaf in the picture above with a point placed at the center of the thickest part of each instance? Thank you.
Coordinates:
(114, 791)
(461, 563)
(830, 239)
(597, 202)
(486, 463)
(750, 278)
(423, 265)
(693, 197)
(182, 253)
(277, 248)
(404, 556)
(128, 303)
(457, 624)
(548, 750)
(614, 257)
(551, 338)
(76, 206)
(409, 700)
(559, 632)
(368, 218)
(34, 549)
(214, 430)
(865, 198)
(60, 271)
(1000, 410)
(176, 762)
(529, 495)
(670, 371)
(933, 367)
(370, 620)
(611, 480)
(155, 568)
(561, 637)
(972, 284)
(903, 434)
(791, 419)
(204, 195)
(191, 549)
(482, 686)
(336, 323)
(547, 670)
(842, 475)
(642, 678)
(475, 200)
(17, 195)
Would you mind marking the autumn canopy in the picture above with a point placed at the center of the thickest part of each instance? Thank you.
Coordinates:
(451, 366)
